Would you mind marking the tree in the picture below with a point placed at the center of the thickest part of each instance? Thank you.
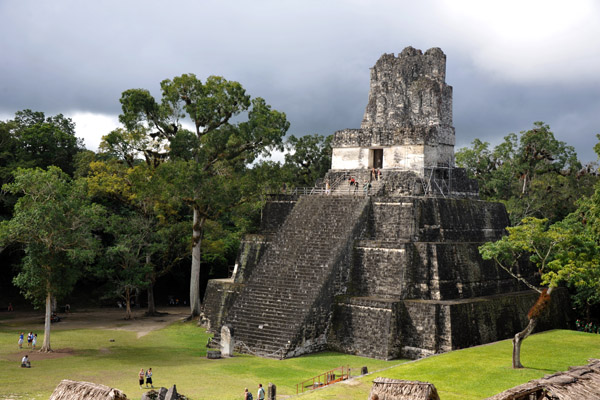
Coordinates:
(539, 244)
(45, 141)
(33, 140)
(205, 163)
(126, 262)
(133, 195)
(148, 129)
(578, 262)
(54, 221)
(533, 174)
(308, 159)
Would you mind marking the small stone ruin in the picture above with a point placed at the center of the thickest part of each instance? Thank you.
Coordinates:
(163, 394)
(388, 267)
(227, 341)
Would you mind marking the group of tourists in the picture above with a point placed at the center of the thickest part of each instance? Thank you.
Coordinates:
(375, 174)
(147, 376)
(260, 395)
(31, 340)
(366, 186)
(587, 327)
(31, 343)
(354, 184)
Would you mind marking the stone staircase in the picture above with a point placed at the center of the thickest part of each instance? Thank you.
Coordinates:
(285, 307)
(344, 189)
(342, 186)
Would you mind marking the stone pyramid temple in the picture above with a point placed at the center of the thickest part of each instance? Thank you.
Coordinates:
(388, 267)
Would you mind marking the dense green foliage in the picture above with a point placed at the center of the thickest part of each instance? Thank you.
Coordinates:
(552, 201)
(307, 160)
(33, 140)
(533, 174)
(54, 221)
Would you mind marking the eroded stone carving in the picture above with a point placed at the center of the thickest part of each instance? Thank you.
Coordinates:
(407, 123)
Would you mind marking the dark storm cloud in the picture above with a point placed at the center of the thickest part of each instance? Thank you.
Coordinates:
(310, 59)
(490, 110)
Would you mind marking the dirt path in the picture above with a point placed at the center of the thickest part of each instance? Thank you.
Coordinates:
(100, 318)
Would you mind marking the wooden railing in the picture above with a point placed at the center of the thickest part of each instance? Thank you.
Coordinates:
(335, 375)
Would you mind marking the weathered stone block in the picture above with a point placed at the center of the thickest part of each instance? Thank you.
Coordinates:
(227, 341)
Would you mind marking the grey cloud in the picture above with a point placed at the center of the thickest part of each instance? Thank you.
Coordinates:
(310, 59)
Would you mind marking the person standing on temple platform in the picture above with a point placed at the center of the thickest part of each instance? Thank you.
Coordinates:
(366, 187)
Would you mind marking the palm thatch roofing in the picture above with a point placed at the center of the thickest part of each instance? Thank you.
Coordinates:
(395, 389)
(73, 390)
(581, 382)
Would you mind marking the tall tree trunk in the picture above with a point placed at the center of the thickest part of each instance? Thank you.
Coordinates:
(151, 306)
(151, 280)
(127, 303)
(195, 270)
(518, 339)
(48, 320)
(540, 305)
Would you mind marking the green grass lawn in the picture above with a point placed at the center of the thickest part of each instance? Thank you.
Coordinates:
(483, 371)
(177, 356)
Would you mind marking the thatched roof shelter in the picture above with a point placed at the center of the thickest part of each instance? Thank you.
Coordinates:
(582, 382)
(395, 389)
(73, 390)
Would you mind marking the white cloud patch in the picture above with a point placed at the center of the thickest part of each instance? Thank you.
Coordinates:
(534, 41)
(92, 126)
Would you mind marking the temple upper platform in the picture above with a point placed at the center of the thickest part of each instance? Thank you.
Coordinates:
(407, 123)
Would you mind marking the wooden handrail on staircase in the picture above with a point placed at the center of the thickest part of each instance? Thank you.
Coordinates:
(327, 378)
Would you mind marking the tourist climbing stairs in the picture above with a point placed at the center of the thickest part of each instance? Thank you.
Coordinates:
(270, 315)
(342, 187)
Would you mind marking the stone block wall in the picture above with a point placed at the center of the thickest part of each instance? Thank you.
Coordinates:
(252, 248)
(438, 219)
(413, 328)
(275, 211)
(422, 323)
(366, 327)
(219, 297)
(460, 220)
(430, 326)
(382, 272)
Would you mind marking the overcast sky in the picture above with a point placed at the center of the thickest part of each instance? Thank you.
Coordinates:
(510, 62)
